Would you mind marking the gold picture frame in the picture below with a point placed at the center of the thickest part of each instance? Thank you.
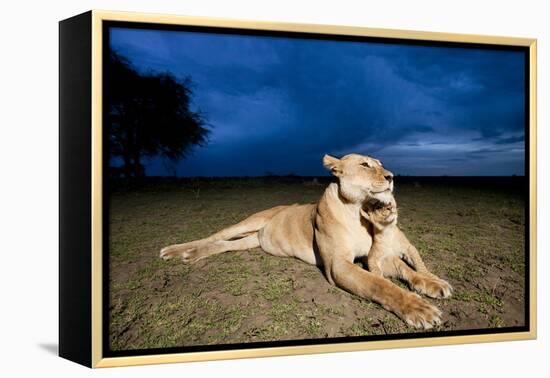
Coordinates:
(81, 320)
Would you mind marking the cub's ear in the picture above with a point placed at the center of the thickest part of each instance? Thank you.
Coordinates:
(332, 164)
(364, 214)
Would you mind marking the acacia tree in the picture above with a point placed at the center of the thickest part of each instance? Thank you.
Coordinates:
(150, 115)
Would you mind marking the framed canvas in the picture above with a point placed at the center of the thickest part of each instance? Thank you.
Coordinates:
(234, 189)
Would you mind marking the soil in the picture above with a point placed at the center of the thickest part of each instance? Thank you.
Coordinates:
(470, 233)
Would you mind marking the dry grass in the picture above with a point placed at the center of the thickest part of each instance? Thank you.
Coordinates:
(471, 235)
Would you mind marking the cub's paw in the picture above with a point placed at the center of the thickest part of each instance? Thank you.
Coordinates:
(418, 313)
(431, 286)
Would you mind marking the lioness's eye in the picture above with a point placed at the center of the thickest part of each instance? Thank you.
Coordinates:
(365, 164)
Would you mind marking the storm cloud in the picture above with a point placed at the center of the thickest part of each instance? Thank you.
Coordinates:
(278, 104)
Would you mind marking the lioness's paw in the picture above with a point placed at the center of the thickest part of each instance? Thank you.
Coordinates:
(172, 251)
(190, 256)
(168, 252)
(180, 250)
(432, 286)
(419, 313)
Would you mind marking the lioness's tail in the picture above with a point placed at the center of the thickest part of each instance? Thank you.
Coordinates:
(243, 235)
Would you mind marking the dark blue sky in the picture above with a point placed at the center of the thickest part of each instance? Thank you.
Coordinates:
(277, 105)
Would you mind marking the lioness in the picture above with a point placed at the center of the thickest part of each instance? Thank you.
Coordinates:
(390, 247)
(330, 234)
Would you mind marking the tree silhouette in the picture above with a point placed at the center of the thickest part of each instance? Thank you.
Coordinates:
(149, 115)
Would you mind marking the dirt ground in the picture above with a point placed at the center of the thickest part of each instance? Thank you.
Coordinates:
(470, 233)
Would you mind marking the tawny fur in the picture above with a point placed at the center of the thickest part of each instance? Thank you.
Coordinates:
(392, 254)
(330, 234)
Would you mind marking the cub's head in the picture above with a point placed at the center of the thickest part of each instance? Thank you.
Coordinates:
(379, 214)
(361, 178)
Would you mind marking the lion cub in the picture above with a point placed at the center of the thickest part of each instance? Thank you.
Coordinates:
(392, 254)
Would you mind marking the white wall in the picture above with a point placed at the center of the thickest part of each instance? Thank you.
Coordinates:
(28, 200)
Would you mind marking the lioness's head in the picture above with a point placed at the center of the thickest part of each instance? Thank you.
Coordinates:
(362, 178)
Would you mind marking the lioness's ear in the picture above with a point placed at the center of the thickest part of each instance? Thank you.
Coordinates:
(333, 164)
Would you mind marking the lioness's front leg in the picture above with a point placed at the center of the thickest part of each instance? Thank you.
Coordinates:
(405, 304)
